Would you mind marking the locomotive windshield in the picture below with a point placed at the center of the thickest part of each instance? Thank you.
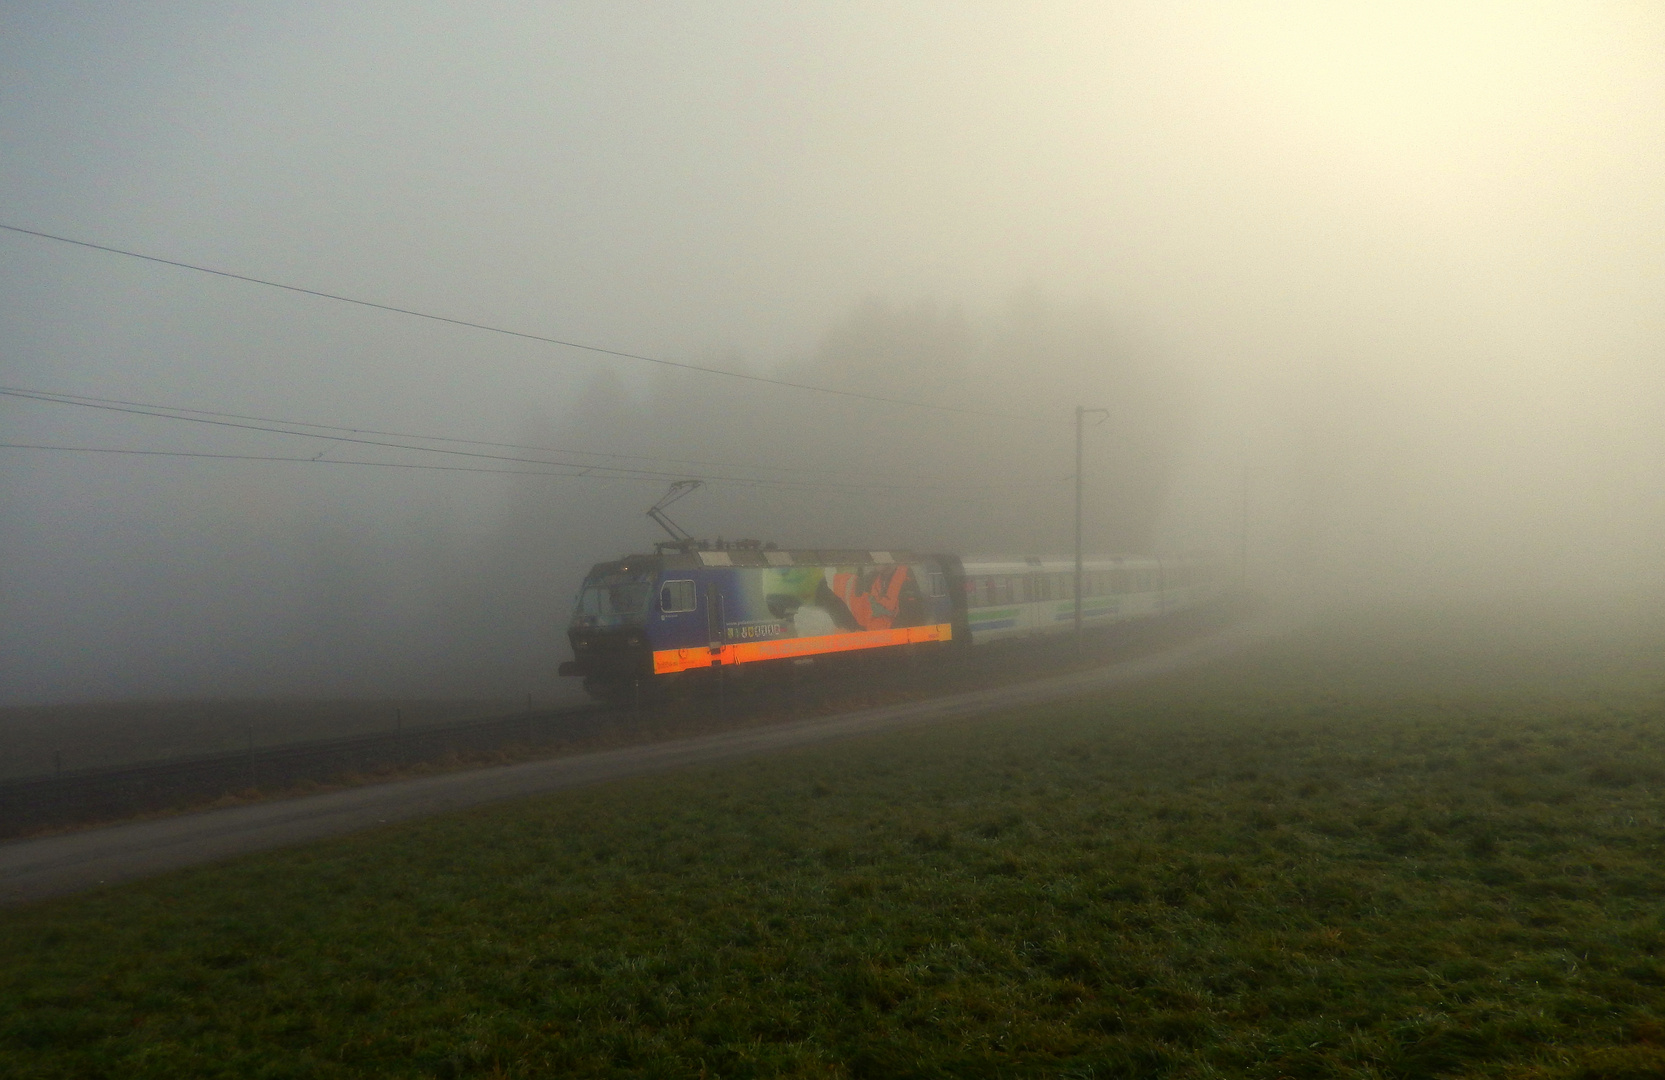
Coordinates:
(613, 599)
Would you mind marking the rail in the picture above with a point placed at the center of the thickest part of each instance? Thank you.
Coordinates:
(77, 796)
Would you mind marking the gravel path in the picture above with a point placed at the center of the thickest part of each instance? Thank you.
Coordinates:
(58, 865)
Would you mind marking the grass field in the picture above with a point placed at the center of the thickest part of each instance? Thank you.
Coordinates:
(1395, 851)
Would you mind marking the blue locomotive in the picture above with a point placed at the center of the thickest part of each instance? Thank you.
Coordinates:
(691, 607)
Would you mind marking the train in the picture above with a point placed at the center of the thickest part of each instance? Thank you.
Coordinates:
(690, 609)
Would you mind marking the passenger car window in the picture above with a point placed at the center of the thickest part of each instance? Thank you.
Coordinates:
(676, 596)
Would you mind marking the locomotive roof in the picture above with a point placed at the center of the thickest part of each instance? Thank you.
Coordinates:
(645, 562)
(1029, 564)
(754, 556)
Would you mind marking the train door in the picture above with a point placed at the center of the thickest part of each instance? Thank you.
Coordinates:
(713, 617)
(958, 616)
(678, 615)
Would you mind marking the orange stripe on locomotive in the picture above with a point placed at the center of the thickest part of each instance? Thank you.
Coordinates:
(670, 661)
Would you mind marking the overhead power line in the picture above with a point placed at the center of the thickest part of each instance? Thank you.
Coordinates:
(270, 428)
(222, 420)
(524, 335)
(577, 473)
(181, 412)
(315, 460)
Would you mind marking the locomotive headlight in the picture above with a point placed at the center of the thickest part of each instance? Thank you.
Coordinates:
(633, 640)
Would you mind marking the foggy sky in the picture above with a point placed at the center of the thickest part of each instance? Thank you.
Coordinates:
(1384, 285)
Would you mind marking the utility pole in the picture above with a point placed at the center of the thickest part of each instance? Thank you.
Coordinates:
(1080, 416)
(1243, 537)
(1079, 413)
(1250, 472)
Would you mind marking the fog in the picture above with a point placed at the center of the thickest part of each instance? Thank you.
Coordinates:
(1372, 301)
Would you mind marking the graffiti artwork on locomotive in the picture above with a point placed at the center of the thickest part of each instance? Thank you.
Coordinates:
(655, 617)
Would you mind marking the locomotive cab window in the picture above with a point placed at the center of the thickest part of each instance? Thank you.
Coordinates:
(676, 596)
(613, 599)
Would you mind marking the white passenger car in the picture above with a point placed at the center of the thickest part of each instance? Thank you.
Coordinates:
(1022, 597)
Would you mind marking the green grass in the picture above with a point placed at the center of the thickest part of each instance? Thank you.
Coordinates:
(1385, 854)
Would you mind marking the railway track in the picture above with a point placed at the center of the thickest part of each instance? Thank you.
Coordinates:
(92, 796)
(43, 867)
(88, 795)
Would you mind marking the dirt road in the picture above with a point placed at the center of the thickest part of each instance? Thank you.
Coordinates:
(57, 865)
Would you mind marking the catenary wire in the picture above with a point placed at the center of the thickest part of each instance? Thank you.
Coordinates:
(525, 335)
(304, 460)
(587, 466)
(579, 472)
(78, 399)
